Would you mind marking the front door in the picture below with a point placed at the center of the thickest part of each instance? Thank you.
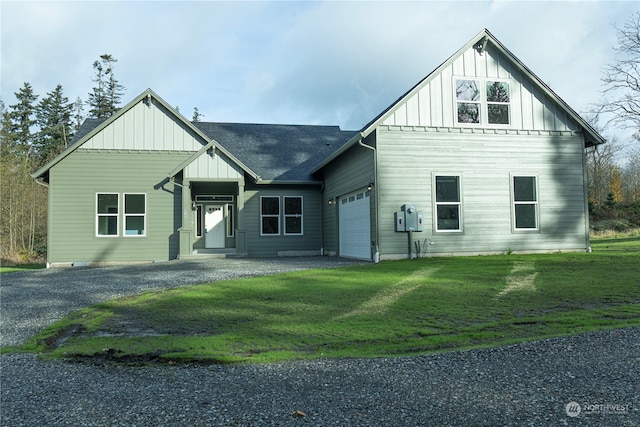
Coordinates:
(214, 229)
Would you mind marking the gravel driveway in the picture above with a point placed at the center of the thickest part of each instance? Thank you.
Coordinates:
(525, 384)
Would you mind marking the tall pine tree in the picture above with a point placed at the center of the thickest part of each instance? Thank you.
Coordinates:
(54, 120)
(22, 115)
(106, 95)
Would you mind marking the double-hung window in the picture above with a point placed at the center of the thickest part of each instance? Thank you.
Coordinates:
(135, 214)
(482, 102)
(525, 203)
(468, 101)
(107, 214)
(293, 215)
(448, 203)
(498, 99)
(270, 215)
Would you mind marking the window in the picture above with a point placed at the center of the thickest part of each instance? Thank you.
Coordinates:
(468, 101)
(498, 103)
(474, 107)
(199, 220)
(135, 217)
(448, 203)
(230, 224)
(270, 215)
(293, 215)
(107, 214)
(525, 203)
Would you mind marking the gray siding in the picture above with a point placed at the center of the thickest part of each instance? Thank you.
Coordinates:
(72, 198)
(352, 171)
(485, 160)
(265, 246)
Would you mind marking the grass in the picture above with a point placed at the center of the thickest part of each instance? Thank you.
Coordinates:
(389, 309)
(20, 267)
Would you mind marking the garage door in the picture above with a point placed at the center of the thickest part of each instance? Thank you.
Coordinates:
(355, 225)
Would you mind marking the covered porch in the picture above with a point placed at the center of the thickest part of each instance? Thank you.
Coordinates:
(212, 219)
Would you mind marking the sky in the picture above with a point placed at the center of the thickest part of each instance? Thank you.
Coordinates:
(296, 62)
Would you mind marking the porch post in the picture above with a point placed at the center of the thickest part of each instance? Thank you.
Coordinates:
(186, 231)
(241, 232)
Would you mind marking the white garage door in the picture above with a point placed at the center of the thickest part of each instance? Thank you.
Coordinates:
(355, 225)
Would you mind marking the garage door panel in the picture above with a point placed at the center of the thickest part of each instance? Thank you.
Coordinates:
(355, 225)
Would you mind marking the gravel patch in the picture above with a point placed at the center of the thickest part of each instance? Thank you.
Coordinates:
(527, 384)
(32, 300)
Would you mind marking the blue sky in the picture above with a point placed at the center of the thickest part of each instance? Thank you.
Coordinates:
(301, 62)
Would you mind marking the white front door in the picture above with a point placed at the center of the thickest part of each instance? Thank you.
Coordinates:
(214, 227)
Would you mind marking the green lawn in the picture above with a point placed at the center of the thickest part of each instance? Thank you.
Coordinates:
(20, 267)
(388, 309)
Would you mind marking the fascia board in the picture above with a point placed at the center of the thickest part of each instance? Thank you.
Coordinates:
(212, 145)
(371, 126)
(597, 138)
(95, 131)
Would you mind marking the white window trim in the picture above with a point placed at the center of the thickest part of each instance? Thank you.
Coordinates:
(98, 215)
(125, 215)
(460, 203)
(484, 104)
(271, 216)
(301, 216)
(514, 203)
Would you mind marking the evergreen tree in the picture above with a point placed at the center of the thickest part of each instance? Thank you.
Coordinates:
(23, 120)
(54, 120)
(106, 95)
(78, 113)
(196, 115)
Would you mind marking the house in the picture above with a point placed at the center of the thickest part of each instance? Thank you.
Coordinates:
(479, 157)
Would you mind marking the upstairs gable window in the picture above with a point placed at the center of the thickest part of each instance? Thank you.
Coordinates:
(477, 107)
(498, 103)
(468, 101)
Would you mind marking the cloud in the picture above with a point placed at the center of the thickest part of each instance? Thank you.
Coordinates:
(295, 62)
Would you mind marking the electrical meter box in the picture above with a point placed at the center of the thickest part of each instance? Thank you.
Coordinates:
(408, 219)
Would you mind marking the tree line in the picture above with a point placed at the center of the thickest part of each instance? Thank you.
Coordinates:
(613, 169)
(34, 130)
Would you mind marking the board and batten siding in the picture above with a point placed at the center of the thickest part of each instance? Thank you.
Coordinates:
(350, 172)
(485, 160)
(434, 103)
(273, 245)
(146, 127)
(215, 167)
(74, 183)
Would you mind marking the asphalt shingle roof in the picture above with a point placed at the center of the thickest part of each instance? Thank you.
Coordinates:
(278, 152)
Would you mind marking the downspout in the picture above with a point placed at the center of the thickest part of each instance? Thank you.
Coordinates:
(376, 254)
(41, 182)
(173, 181)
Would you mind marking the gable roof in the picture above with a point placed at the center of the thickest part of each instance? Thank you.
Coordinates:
(278, 152)
(282, 153)
(93, 126)
(480, 41)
